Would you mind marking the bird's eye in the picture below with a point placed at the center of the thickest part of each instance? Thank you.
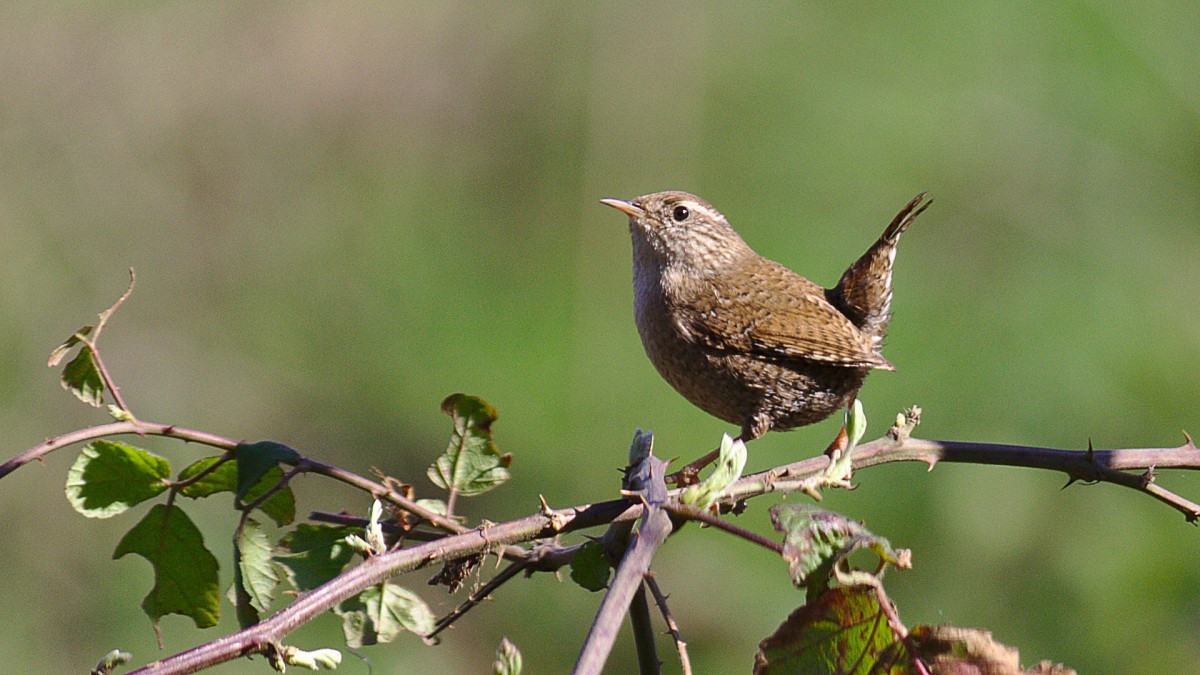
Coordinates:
(680, 214)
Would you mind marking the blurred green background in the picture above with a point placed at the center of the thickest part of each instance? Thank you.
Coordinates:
(341, 213)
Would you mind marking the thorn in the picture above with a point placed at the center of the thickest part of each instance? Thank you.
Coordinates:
(557, 520)
(1189, 443)
(932, 462)
(1091, 452)
(1070, 480)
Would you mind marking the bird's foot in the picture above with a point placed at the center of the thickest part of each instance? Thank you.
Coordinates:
(690, 473)
(840, 452)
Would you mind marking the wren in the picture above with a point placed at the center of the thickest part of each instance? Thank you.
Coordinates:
(742, 337)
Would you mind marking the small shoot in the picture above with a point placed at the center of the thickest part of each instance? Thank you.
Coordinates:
(110, 662)
(328, 659)
(508, 659)
(730, 462)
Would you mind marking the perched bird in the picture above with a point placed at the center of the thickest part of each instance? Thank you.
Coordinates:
(744, 338)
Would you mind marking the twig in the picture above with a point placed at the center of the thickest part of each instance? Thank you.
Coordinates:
(655, 527)
(1087, 466)
(258, 638)
(90, 344)
(143, 428)
(672, 627)
(693, 513)
(643, 633)
(114, 429)
(478, 596)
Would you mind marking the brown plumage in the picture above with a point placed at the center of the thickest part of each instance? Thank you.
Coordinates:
(745, 338)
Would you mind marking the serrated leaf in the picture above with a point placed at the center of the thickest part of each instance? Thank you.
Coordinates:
(589, 567)
(315, 554)
(82, 378)
(471, 464)
(844, 631)
(281, 507)
(815, 540)
(254, 460)
(508, 659)
(380, 613)
(255, 577)
(109, 477)
(185, 572)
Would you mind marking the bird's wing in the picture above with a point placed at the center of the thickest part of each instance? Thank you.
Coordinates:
(795, 322)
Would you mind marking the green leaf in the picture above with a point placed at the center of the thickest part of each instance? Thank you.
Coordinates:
(82, 378)
(380, 613)
(508, 659)
(472, 464)
(281, 507)
(815, 540)
(255, 577)
(109, 477)
(315, 554)
(221, 479)
(435, 505)
(589, 567)
(256, 459)
(843, 631)
(185, 572)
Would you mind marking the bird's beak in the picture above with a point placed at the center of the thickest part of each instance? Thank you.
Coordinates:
(632, 209)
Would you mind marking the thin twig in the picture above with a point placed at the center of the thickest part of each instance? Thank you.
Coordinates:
(693, 513)
(90, 344)
(672, 627)
(478, 596)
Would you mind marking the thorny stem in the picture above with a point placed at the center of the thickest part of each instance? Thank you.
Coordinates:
(653, 531)
(693, 513)
(672, 627)
(1087, 466)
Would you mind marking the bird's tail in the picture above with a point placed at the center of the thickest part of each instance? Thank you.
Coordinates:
(864, 293)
